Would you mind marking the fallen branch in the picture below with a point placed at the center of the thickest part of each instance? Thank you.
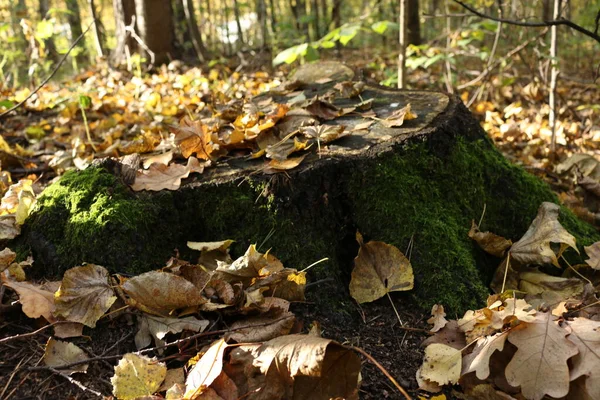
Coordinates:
(75, 382)
(554, 22)
(54, 71)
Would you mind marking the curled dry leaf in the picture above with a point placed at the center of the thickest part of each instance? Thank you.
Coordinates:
(262, 327)
(161, 177)
(85, 294)
(540, 366)
(7, 256)
(151, 326)
(437, 318)
(479, 359)
(252, 264)
(59, 353)
(534, 246)
(489, 242)
(162, 292)
(585, 334)
(197, 137)
(593, 253)
(137, 376)
(206, 370)
(379, 268)
(441, 364)
(35, 301)
(275, 166)
(398, 117)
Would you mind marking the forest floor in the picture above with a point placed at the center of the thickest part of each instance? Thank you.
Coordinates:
(126, 114)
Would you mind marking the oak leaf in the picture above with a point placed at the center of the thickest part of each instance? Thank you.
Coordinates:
(593, 253)
(540, 366)
(379, 268)
(437, 318)
(479, 359)
(534, 246)
(585, 333)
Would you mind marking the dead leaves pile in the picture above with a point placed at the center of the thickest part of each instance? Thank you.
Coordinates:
(538, 336)
(253, 292)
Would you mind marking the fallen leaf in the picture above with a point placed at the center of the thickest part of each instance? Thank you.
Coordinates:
(162, 292)
(479, 359)
(8, 227)
(137, 376)
(153, 327)
(534, 246)
(398, 117)
(585, 334)
(59, 353)
(489, 242)
(174, 376)
(35, 301)
(85, 294)
(322, 109)
(161, 177)
(379, 268)
(7, 256)
(206, 370)
(221, 246)
(196, 137)
(275, 166)
(437, 318)
(252, 264)
(441, 364)
(593, 253)
(262, 327)
(540, 366)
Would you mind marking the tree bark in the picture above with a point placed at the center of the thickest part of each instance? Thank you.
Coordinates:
(155, 26)
(236, 13)
(98, 36)
(74, 18)
(196, 37)
(413, 23)
(124, 11)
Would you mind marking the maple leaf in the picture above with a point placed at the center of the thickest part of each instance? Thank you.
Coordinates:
(489, 242)
(437, 318)
(85, 294)
(379, 268)
(534, 246)
(540, 366)
(59, 353)
(398, 117)
(137, 376)
(160, 176)
(585, 333)
(196, 137)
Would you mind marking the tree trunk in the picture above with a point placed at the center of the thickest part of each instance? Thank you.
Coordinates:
(190, 17)
(155, 26)
(98, 36)
(413, 23)
(236, 13)
(124, 17)
(49, 45)
(261, 12)
(74, 18)
(299, 12)
(402, 46)
(273, 16)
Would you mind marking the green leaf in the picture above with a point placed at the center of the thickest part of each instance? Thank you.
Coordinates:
(44, 29)
(327, 44)
(348, 32)
(6, 104)
(85, 101)
(381, 27)
(290, 55)
(311, 54)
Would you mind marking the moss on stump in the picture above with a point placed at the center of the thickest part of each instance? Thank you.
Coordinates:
(426, 182)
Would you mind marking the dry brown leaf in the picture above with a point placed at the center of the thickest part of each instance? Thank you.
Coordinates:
(153, 327)
(196, 137)
(281, 150)
(206, 370)
(137, 376)
(221, 246)
(489, 242)
(175, 376)
(306, 367)
(379, 268)
(161, 177)
(540, 366)
(85, 294)
(59, 353)
(593, 252)
(534, 246)
(398, 117)
(479, 359)
(252, 264)
(441, 364)
(162, 292)
(7, 256)
(585, 334)
(35, 301)
(288, 284)
(324, 133)
(263, 327)
(437, 318)
(322, 109)
(553, 289)
(449, 335)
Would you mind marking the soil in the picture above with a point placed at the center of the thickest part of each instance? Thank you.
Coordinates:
(373, 327)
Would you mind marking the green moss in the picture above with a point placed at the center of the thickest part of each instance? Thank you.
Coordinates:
(432, 196)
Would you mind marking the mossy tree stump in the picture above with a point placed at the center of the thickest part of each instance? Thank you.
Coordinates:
(424, 182)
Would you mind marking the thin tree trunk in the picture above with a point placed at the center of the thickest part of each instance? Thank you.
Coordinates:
(74, 18)
(211, 26)
(273, 16)
(315, 8)
(155, 26)
(190, 17)
(49, 45)
(336, 19)
(236, 12)
(98, 37)
(261, 12)
(449, 86)
(553, 77)
(402, 46)
(413, 23)
(124, 13)
(227, 33)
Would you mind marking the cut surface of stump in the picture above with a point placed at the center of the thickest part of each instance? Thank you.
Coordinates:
(420, 183)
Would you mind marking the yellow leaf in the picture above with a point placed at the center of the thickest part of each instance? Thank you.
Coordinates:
(137, 376)
(59, 353)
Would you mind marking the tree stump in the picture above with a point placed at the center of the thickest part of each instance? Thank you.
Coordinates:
(421, 183)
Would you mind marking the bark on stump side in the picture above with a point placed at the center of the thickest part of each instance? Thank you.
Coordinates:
(424, 182)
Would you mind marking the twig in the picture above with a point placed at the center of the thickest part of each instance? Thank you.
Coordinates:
(54, 71)
(28, 334)
(382, 369)
(75, 382)
(555, 22)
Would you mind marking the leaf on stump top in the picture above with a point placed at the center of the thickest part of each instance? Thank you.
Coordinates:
(379, 268)
(534, 246)
(540, 366)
